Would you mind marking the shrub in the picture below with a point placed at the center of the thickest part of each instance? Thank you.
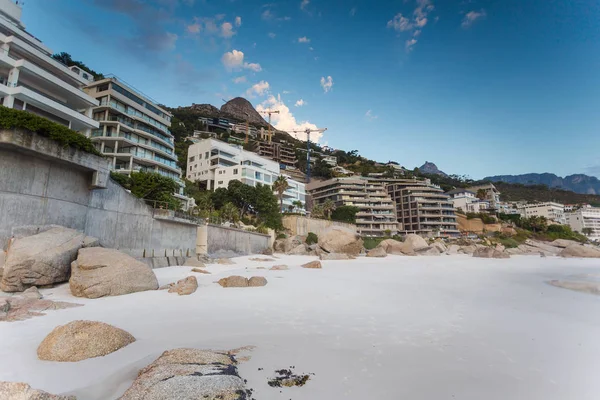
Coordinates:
(11, 119)
(345, 214)
(312, 238)
(372, 242)
(281, 236)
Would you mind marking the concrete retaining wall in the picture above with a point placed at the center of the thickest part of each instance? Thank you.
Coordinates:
(230, 241)
(300, 225)
(43, 183)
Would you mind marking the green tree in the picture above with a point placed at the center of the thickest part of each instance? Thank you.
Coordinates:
(317, 211)
(328, 207)
(156, 189)
(280, 186)
(230, 212)
(241, 195)
(219, 197)
(266, 207)
(345, 214)
(481, 194)
(66, 59)
(587, 231)
(298, 204)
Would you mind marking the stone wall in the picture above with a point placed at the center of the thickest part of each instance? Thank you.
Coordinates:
(43, 183)
(224, 241)
(300, 225)
(476, 225)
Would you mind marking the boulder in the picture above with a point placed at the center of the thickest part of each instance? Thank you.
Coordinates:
(22, 391)
(312, 265)
(287, 244)
(24, 306)
(80, 340)
(470, 249)
(185, 286)
(428, 251)
(233, 281)
(392, 246)
(225, 261)
(441, 246)
(545, 247)
(41, 259)
(268, 251)
(377, 252)
(200, 271)
(32, 293)
(256, 281)
(100, 272)
(453, 249)
(2, 258)
(279, 268)
(194, 262)
(189, 374)
(339, 240)
(578, 250)
(334, 256)
(415, 242)
(490, 252)
(300, 250)
(563, 243)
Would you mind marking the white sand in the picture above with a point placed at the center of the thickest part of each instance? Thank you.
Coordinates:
(395, 328)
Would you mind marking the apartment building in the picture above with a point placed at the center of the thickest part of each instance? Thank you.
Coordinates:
(550, 210)
(133, 131)
(375, 217)
(491, 193)
(31, 80)
(585, 220)
(283, 153)
(423, 208)
(466, 201)
(215, 163)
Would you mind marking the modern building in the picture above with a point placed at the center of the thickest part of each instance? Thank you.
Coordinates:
(507, 208)
(491, 194)
(283, 153)
(31, 80)
(423, 208)
(134, 131)
(550, 210)
(585, 220)
(466, 201)
(376, 216)
(215, 163)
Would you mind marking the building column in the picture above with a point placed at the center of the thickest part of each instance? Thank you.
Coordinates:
(13, 77)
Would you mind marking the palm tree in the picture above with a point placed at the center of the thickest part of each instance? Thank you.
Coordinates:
(280, 185)
(230, 212)
(328, 207)
(298, 204)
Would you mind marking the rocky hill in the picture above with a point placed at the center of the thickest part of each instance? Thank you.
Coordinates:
(430, 168)
(578, 183)
(238, 108)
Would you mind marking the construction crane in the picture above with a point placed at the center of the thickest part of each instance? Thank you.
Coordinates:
(308, 131)
(269, 111)
(247, 126)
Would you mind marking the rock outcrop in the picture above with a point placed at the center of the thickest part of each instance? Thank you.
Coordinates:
(312, 265)
(40, 260)
(578, 250)
(563, 243)
(391, 246)
(27, 305)
(334, 256)
(185, 286)
(339, 240)
(377, 252)
(100, 272)
(288, 244)
(22, 391)
(490, 252)
(279, 268)
(200, 271)
(80, 340)
(428, 251)
(233, 281)
(189, 374)
(257, 281)
(300, 250)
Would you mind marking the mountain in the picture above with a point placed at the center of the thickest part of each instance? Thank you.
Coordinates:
(430, 168)
(578, 183)
(238, 108)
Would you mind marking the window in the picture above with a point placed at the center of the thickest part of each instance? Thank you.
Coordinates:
(220, 182)
(85, 76)
(191, 159)
(235, 171)
(206, 155)
(190, 167)
(102, 88)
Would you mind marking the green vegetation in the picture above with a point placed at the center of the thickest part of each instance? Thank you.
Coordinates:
(156, 189)
(11, 119)
(534, 193)
(372, 242)
(280, 186)
(66, 59)
(485, 218)
(345, 214)
(312, 238)
(281, 236)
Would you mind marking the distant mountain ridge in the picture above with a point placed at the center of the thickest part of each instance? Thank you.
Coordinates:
(578, 183)
(430, 168)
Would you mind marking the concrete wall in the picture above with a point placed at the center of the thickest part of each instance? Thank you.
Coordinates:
(300, 225)
(229, 241)
(43, 183)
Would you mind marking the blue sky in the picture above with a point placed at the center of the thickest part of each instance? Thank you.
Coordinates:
(478, 87)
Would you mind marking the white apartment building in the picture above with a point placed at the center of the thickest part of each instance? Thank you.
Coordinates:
(550, 210)
(491, 194)
(585, 217)
(134, 132)
(31, 80)
(216, 163)
(507, 208)
(467, 201)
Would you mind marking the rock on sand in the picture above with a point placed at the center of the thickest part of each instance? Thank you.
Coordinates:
(22, 391)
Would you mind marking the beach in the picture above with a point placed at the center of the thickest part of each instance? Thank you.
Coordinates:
(446, 327)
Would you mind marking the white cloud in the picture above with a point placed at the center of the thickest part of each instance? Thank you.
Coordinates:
(267, 15)
(303, 4)
(471, 17)
(303, 39)
(285, 120)
(353, 11)
(286, 92)
(169, 40)
(370, 116)
(233, 59)
(196, 27)
(259, 89)
(410, 43)
(310, 48)
(227, 30)
(326, 83)
(238, 21)
(300, 103)
(253, 67)
(272, 35)
(239, 79)
(400, 23)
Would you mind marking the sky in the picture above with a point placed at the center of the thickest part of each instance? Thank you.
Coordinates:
(480, 87)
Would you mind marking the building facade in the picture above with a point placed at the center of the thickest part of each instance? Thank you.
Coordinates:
(283, 153)
(215, 163)
(423, 208)
(491, 194)
(376, 216)
(31, 80)
(585, 220)
(550, 210)
(467, 201)
(134, 132)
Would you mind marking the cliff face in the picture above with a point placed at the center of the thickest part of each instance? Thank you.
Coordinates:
(578, 183)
